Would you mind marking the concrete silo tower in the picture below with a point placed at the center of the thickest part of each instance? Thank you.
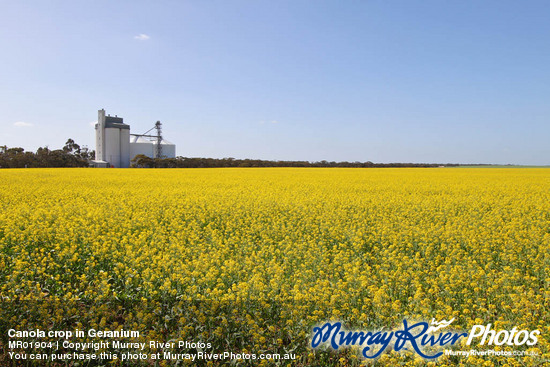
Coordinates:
(112, 141)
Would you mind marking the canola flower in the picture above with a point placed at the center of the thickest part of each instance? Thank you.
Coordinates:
(250, 260)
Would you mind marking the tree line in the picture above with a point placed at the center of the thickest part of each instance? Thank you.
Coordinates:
(142, 161)
(71, 155)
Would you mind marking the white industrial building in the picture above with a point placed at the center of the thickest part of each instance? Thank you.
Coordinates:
(115, 146)
(140, 145)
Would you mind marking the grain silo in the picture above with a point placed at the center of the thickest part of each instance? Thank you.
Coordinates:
(114, 148)
(140, 145)
(168, 149)
(112, 141)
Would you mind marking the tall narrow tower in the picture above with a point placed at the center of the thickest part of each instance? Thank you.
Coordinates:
(100, 136)
(158, 126)
(112, 140)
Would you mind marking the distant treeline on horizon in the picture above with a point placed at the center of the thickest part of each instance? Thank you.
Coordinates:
(141, 161)
(71, 155)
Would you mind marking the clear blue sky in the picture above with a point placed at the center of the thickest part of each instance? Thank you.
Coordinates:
(385, 81)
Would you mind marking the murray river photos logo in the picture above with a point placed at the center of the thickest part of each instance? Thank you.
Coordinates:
(419, 336)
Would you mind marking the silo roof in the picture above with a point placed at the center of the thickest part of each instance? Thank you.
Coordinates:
(140, 139)
(163, 142)
(116, 125)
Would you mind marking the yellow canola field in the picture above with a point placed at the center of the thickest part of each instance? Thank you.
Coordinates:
(251, 259)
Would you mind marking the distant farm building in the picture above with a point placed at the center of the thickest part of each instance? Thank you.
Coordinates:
(115, 146)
